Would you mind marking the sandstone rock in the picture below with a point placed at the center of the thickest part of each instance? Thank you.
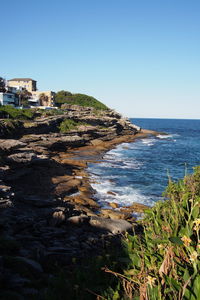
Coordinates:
(58, 218)
(112, 214)
(113, 226)
(78, 220)
(135, 207)
(67, 187)
(84, 209)
(60, 179)
(9, 145)
(23, 157)
(114, 205)
(84, 200)
(74, 163)
(96, 142)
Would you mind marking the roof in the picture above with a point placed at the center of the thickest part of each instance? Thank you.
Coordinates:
(21, 79)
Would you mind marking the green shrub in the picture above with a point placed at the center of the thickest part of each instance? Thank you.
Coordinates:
(9, 112)
(78, 99)
(67, 125)
(164, 260)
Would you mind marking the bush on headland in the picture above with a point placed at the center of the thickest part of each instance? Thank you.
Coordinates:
(78, 99)
(68, 125)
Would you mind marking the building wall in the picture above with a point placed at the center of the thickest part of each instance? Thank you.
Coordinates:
(29, 85)
(8, 99)
(50, 97)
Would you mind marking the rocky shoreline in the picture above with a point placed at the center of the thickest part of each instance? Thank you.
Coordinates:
(48, 215)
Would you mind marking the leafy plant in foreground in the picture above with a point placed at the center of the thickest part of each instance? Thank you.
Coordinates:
(165, 258)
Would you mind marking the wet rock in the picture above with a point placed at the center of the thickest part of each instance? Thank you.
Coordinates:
(111, 193)
(114, 205)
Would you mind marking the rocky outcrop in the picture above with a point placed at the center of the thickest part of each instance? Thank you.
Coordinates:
(47, 212)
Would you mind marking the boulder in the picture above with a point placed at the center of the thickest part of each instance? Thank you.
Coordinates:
(84, 200)
(58, 218)
(67, 187)
(115, 215)
(23, 157)
(114, 205)
(78, 220)
(135, 207)
(111, 193)
(113, 226)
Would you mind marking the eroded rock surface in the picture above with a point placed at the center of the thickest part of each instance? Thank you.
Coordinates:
(47, 212)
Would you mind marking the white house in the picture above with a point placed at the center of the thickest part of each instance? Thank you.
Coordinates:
(9, 99)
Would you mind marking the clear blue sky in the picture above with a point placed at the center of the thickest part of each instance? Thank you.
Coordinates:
(139, 57)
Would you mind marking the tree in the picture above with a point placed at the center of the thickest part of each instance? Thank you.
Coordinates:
(24, 95)
(43, 99)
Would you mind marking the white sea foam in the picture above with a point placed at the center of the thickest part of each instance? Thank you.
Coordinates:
(123, 196)
(119, 158)
(120, 163)
(167, 136)
(148, 142)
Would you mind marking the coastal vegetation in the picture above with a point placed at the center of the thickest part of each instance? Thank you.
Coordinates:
(161, 261)
(12, 113)
(164, 259)
(68, 125)
(63, 97)
(9, 112)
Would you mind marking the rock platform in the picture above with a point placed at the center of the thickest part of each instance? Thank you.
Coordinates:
(48, 215)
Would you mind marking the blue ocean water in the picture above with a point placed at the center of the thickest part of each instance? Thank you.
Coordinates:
(138, 171)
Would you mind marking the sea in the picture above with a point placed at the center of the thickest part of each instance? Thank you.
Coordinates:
(140, 171)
